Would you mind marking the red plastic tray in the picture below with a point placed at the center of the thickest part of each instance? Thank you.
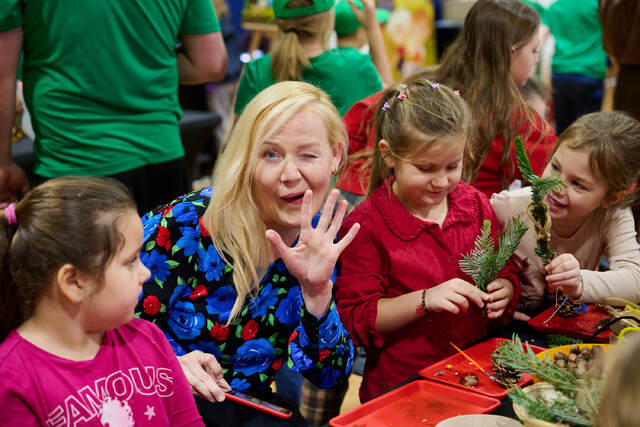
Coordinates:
(481, 353)
(419, 403)
(580, 326)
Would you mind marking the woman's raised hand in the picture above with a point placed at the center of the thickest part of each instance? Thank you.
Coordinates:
(204, 375)
(314, 257)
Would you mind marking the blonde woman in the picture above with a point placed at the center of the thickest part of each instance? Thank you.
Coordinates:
(301, 53)
(241, 282)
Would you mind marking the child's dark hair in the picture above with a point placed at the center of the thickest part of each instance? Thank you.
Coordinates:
(612, 140)
(68, 220)
(412, 117)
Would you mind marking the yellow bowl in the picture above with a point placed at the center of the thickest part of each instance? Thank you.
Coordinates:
(550, 353)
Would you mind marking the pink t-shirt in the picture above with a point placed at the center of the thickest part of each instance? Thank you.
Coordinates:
(135, 379)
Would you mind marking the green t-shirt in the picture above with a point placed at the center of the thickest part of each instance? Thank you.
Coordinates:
(345, 74)
(100, 79)
(575, 25)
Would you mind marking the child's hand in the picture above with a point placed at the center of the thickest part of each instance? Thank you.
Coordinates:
(204, 375)
(563, 273)
(367, 15)
(452, 295)
(500, 294)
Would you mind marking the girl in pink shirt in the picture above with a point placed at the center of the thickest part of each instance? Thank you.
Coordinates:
(70, 277)
(400, 292)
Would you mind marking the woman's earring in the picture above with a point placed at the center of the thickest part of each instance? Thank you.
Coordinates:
(334, 170)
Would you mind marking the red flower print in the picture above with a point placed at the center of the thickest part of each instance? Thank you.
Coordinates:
(249, 330)
(167, 210)
(277, 364)
(219, 332)
(322, 354)
(198, 292)
(151, 305)
(203, 229)
(163, 238)
(293, 336)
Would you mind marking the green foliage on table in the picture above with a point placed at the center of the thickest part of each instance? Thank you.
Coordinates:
(578, 399)
(484, 262)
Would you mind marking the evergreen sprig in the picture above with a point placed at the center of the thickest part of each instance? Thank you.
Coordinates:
(555, 340)
(578, 400)
(539, 209)
(484, 262)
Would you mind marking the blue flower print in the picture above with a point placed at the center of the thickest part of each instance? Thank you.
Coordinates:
(185, 323)
(301, 362)
(206, 192)
(330, 330)
(279, 265)
(303, 337)
(288, 311)
(221, 302)
(177, 348)
(207, 347)
(239, 384)
(253, 356)
(156, 263)
(330, 377)
(265, 299)
(210, 263)
(185, 213)
(179, 292)
(149, 224)
(190, 240)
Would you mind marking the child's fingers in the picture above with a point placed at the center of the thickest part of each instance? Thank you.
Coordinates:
(495, 314)
(459, 300)
(565, 275)
(474, 294)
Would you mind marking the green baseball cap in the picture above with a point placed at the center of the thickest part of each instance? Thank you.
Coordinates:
(287, 8)
(346, 22)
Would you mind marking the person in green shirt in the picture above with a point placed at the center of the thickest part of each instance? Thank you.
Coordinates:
(301, 54)
(100, 81)
(579, 61)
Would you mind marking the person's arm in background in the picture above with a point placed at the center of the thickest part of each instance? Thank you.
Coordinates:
(203, 58)
(12, 177)
(367, 18)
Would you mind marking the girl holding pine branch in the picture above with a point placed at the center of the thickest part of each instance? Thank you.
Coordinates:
(598, 160)
(400, 292)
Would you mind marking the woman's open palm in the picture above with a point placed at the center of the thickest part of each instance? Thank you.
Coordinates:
(313, 258)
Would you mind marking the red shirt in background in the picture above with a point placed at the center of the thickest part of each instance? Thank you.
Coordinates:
(361, 128)
(395, 253)
(539, 146)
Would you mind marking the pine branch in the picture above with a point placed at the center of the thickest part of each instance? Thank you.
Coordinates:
(485, 262)
(538, 210)
(553, 412)
(512, 354)
(555, 340)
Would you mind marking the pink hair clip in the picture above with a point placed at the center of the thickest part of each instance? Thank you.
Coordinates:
(386, 106)
(10, 214)
(401, 95)
(435, 86)
(457, 92)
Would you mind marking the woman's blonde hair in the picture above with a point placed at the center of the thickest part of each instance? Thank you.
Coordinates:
(478, 64)
(288, 60)
(232, 218)
(612, 140)
(621, 390)
(412, 117)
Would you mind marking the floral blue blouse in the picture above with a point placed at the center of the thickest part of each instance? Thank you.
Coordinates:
(190, 295)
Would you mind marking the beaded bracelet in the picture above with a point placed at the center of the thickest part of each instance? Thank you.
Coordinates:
(422, 308)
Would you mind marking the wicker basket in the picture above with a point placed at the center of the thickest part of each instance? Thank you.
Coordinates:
(527, 420)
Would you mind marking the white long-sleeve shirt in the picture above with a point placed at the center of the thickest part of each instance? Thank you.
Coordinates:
(609, 232)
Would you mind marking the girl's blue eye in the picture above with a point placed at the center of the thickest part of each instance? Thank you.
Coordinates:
(309, 156)
(270, 155)
(578, 185)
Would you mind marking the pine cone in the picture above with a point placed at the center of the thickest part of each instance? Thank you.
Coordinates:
(505, 376)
